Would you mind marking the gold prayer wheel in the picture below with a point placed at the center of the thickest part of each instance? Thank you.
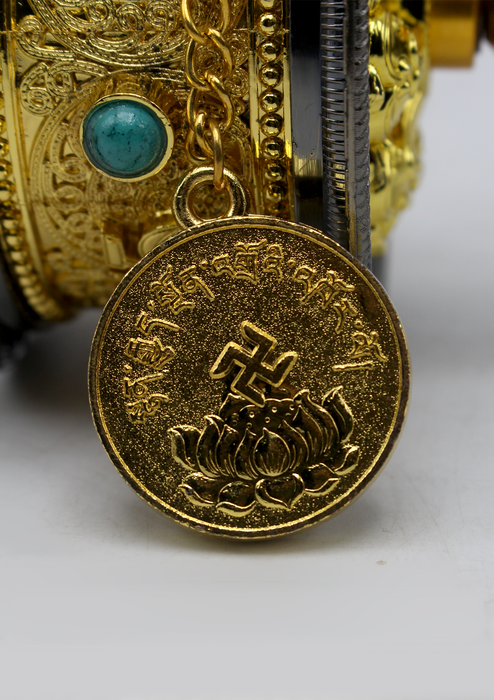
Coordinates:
(187, 163)
(69, 231)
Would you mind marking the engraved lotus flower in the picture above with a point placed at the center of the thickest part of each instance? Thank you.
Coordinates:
(270, 455)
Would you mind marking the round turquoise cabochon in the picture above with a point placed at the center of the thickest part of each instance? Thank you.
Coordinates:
(124, 138)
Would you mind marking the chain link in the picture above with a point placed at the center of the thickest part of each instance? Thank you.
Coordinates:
(204, 140)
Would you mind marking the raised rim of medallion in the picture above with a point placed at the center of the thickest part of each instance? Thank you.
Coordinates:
(348, 497)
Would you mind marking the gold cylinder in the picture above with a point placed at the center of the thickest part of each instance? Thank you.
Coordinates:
(453, 32)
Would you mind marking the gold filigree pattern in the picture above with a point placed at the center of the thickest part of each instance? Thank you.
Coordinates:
(78, 231)
(213, 380)
(113, 33)
(398, 68)
(65, 56)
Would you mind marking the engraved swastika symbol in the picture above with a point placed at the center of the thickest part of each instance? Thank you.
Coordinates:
(255, 364)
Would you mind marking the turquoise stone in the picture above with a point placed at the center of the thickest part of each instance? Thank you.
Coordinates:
(124, 138)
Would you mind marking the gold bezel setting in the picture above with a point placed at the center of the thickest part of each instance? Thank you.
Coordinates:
(150, 106)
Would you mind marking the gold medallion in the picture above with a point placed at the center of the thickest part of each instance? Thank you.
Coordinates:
(249, 377)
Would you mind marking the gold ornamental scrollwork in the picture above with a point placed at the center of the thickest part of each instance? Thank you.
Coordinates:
(110, 32)
(72, 231)
(90, 229)
(398, 71)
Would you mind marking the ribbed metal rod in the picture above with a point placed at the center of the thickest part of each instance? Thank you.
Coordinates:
(345, 124)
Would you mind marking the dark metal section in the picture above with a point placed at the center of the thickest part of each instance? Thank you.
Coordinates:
(13, 322)
(9, 340)
(305, 81)
(10, 323)
(345, 124)
(380, 269)
(9, 314)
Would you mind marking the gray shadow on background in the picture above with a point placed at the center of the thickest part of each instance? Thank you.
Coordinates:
(52, 373)
(51, 378)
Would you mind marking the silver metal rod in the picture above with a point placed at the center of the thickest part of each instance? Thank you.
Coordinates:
(345, 124)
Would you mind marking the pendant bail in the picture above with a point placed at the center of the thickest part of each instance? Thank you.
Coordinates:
(239, 196)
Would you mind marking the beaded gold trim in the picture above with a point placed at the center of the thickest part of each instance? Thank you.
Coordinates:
(270, 117)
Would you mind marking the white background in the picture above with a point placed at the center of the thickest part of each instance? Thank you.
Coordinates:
(103, 599)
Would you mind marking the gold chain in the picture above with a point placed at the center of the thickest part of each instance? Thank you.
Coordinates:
(204, 140)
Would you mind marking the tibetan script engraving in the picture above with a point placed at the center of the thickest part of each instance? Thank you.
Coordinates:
(140, 403)
(366, 347)
(149, 352)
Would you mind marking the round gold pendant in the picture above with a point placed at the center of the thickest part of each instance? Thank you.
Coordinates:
(249, 378)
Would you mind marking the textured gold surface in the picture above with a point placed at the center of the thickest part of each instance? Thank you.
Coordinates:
(60, 57)
(398, 67)
(71, 232)
(249, 378)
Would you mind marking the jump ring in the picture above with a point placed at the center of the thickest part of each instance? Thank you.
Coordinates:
(239, 197)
